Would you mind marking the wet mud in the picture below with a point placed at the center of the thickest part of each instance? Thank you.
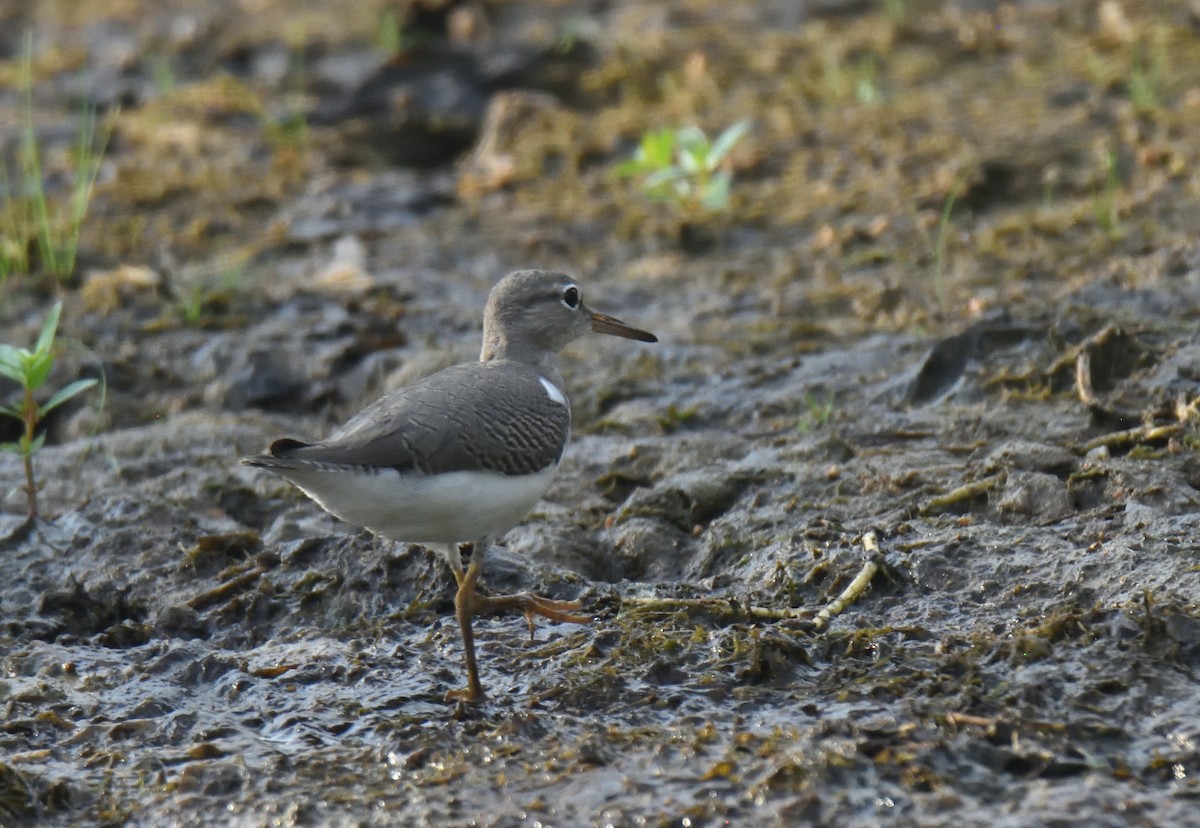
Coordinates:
(943, 337)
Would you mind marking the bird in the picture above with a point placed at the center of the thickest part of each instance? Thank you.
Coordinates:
(461, 456)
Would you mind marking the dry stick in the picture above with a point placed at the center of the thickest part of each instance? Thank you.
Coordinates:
(1071, 357)
(962, 493)
(1186, 410)
(721, 607)
(1141, 434)
(857, 587)
(971, 720)
(236, 584)
(968, 719)
(1083, 378)
(730, 607)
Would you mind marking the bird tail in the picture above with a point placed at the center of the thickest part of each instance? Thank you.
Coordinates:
(277, 456)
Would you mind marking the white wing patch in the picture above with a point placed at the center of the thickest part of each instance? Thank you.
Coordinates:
(552, 391)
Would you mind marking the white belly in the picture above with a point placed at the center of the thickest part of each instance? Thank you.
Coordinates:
(447, 508)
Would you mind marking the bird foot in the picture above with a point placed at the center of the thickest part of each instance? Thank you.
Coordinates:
(532, 606)
(466, 695)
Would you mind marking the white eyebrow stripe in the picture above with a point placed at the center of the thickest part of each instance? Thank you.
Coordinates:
(552, 391)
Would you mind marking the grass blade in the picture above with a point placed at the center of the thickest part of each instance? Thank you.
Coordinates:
(66, 393)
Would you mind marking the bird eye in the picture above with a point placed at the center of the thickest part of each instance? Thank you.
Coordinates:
(570, 297)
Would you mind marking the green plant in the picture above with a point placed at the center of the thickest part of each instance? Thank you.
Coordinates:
(1142, 83)
(684, 168)
(162, 74)
(288, 125)
(1104, 199)
(866, 89)
(31, 369)
(284, 126)
(857, 80)
(190, 305)
(574, 29)
(1149, 72)
(209, 293)
(894, 10)
(28, 213)
(819, 412)
(676, 417)
(390, 35)
(939, 256)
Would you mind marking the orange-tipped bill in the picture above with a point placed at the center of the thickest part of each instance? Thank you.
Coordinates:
(602, 323)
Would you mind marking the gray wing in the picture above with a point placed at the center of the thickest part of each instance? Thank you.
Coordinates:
(494, 416)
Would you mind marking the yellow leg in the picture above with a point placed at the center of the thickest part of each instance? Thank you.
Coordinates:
(464, 608)
(468, 603)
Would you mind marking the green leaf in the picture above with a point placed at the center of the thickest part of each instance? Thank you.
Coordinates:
(693, 149)
(11, 363)
(26, 447)
(37, 369)
(664, 176)
(692, 137)
(65, 394)
(13, 447)
(726, 141)
(10, 411)
(49, 328)
(657, 148)
(630, 168)
(716, 194)
(662, 185)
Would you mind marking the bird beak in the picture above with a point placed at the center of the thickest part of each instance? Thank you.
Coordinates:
(602, 323)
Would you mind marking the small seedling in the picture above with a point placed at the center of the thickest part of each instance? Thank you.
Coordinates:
(195, 305)
(1104, 199)
(30, 369)
(845, 81)
(190, 305)
(684, 168)
(162, 74)
(866, 88)
(819, 412)
(284, 126)
(1142, 87)
(894, 10)
(677, 418)
(1148, 70)
(390, 34)
(939, 257)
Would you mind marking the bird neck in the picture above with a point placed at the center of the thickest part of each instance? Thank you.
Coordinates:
(497, 348)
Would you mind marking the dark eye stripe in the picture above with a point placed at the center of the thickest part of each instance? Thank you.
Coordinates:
(570, 297)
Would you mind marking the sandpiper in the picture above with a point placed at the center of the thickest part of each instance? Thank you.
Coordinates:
(462, 455)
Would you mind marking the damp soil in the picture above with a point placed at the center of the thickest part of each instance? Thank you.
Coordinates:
(950, 310)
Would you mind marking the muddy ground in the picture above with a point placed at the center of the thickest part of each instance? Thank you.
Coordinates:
(952, 302)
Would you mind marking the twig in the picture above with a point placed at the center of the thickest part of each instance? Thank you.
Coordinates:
(1083, 378)
(1141, 434)
(963, 493)
(969, 720)
(726, 609)
(262, 565)
(856, 588)
(731, 609)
